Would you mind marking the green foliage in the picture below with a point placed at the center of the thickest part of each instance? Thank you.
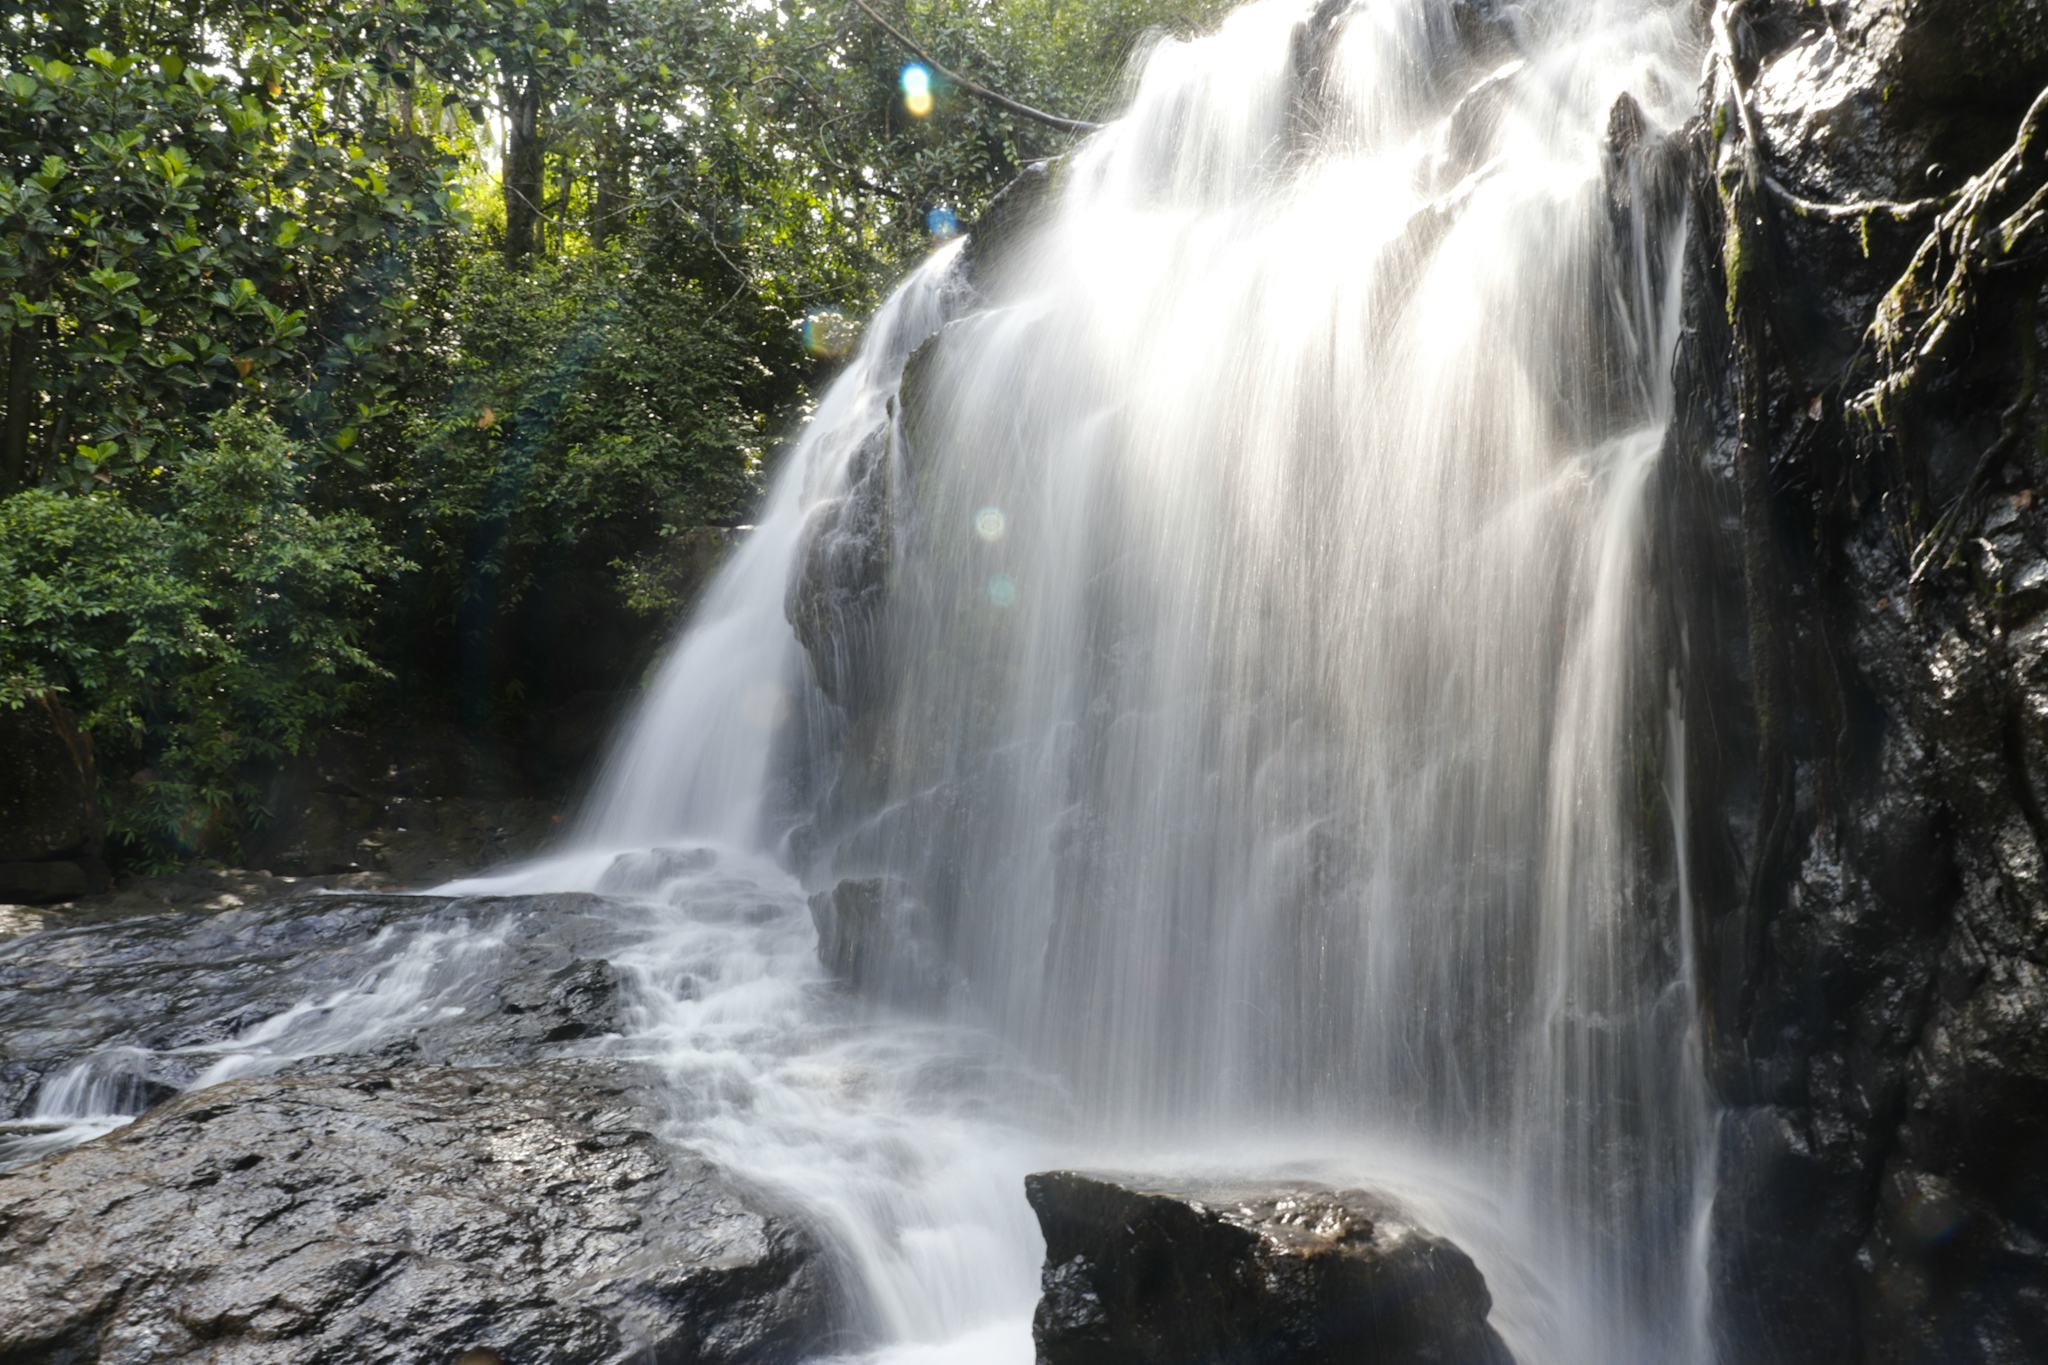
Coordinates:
(173, 237)
(595, 407)
(197, 642)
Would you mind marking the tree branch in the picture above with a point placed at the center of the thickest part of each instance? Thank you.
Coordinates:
(1065, 125)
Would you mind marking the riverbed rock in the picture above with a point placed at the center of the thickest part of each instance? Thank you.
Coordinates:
(156, 999)
(406, 1214)
(1141, 1271)
(645, 871)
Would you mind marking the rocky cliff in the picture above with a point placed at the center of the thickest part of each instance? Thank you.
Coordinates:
(1854, 555)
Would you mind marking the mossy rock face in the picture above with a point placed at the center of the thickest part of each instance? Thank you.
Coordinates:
(1870, 966)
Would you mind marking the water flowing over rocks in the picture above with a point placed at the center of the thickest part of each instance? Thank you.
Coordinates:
(153, 1003)
(878, 938)
(1856, 553)
(400, 1215)
(1149, 1272)
(398, 1138)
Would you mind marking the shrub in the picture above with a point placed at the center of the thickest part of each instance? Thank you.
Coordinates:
(194, 639)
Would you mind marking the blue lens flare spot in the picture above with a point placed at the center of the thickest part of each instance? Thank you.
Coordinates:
(916, 81)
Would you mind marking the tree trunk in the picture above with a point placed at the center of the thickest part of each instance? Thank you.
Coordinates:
(14, 433)
(523, 168)
(607, 217)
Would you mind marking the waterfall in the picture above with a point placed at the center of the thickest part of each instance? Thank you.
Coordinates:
(1231, 635)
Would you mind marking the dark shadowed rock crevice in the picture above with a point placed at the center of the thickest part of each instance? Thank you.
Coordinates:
(1150, 1272)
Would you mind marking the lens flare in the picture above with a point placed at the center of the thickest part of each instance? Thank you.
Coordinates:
(917, 89)
(828, 334)
(943, 223)
(990, 524)
(1002, 590)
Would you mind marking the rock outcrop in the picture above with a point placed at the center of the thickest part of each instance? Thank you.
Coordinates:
(400, 1215)
(1859, 560)
(875, 936)
(1145, 1272)
(153, 1002)
(373, 1128)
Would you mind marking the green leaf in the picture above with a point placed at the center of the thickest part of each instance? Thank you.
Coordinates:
(114, 281)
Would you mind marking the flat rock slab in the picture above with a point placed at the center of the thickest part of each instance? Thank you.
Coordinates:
(158, 997)
(407, 1214)
(1140, 1271)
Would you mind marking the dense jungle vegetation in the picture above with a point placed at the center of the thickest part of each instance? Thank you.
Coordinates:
(360, 355)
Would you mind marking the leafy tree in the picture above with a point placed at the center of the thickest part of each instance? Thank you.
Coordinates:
(598, 409)
(175, 235)
(197, 643)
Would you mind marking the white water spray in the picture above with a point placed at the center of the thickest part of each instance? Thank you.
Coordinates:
(1254, 692)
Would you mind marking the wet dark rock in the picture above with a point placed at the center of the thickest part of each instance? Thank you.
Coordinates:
(1942, 53)
(1016, 207)
(401, 1215)
(880, 939)
(1855, 548)
(1144, 1272)
(836, 595)
(530, 975)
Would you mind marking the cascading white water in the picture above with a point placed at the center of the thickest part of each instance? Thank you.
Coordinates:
(695, 756)
(1255, 694)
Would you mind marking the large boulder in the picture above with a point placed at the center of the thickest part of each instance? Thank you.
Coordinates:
(1150, 1272)
(400, 1215)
